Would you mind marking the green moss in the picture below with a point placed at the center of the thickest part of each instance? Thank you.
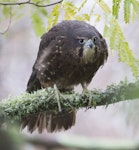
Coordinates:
(16, 108)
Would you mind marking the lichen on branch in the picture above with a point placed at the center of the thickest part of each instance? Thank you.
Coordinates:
(45, 100)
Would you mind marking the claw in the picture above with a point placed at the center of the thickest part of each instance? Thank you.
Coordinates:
(91, 102)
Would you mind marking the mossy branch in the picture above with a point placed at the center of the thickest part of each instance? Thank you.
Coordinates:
(45, 100)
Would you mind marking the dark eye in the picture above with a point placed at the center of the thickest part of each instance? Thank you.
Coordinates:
(81, 41)
(95, 39)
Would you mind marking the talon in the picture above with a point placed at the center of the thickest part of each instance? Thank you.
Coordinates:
(91, 102)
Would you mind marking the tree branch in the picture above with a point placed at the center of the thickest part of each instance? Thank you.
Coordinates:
(45, 100)
(12, 140)
(42, 100)
(74, 142)
(30, 3)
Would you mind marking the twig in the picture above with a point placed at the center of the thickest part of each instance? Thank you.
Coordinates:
(30, 3)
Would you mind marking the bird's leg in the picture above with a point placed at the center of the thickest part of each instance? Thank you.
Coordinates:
(84, 86)
(85, 90)
(57, 93)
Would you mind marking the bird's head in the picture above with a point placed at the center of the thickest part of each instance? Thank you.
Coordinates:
(88, 48)
(79, 40)
(86, 41)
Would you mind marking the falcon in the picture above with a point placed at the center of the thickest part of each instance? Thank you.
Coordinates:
(70, 53)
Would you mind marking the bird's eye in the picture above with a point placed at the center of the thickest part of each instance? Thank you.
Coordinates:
(95, 39)
(81, 41)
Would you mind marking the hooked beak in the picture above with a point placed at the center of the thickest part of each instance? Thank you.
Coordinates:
(89, 44)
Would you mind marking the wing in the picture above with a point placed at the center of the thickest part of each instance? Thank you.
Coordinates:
(44, 48)
(44, 66)
(33, 83)
(47, 46)
(103, 47)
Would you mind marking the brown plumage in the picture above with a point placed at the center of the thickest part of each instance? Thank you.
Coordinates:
(70, 53)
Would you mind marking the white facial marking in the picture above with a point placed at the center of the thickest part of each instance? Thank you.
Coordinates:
(88, 54)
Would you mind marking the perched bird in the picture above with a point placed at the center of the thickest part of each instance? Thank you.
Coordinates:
(70, 53)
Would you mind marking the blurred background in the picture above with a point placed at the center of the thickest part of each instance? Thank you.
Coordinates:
(18, 50)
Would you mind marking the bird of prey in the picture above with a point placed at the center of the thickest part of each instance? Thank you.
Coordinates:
(70, 53)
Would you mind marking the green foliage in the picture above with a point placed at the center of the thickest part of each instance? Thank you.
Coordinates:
(37, 20)
(37, 23)
(70, 10)
(128, 5)
(117, 41)
(6, 11)
(73, 13)
(53, 17)
(127, 11)
(116, 7)
(135, 5)
(82, 5)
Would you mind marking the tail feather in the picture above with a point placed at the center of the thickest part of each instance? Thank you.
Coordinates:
(46, 120)
(50, 121)
(30, 122)
(41, 122)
